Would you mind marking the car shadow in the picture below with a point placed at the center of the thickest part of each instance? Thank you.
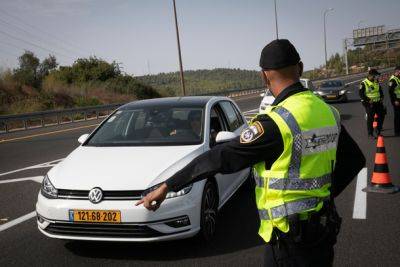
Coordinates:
(237, 230)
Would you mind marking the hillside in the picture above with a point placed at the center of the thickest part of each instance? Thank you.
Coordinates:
(203, 81)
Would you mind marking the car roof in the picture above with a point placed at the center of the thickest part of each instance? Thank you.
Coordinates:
(186, 101)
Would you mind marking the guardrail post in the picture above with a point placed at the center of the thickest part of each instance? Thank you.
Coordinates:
(97, 114)
(25, 124)
(72, 117)
(58, 119)
(42, 121)
(6, 127)
(85, 115)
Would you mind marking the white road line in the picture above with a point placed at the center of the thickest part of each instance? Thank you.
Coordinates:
(250, 111)
(37, 179)
(360, 200)
(41, 165)
(17, 221)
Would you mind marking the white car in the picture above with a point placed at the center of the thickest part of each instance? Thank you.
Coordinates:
(268, 98)
(91, 194)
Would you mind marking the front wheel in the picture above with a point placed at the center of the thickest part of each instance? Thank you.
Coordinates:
(209, 212)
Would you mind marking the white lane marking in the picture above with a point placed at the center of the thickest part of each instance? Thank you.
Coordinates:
(37, 179)
(17, 221)
(360, 200)
(250, 111)
(41, 165)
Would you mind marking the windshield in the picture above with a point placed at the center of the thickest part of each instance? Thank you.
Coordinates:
(332, 84)
(150, 126)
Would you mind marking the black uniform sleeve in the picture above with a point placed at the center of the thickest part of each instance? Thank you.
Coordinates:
(361, 92)
(392, 86)
(381, 92)
(349, 161)
(264, 145)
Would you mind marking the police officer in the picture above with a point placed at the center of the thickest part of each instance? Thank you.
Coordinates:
(372, 99)
(302, 158)
(394, 91)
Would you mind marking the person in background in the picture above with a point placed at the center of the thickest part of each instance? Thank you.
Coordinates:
(394, 92)
(371, 95)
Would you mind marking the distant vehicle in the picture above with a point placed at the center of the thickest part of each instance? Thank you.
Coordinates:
(91, 194)
(268, 98)
(307, 83)
(332, 90)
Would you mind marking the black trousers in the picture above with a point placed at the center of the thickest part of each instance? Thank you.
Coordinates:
(396, 110)
(316, 250)
(371, 110)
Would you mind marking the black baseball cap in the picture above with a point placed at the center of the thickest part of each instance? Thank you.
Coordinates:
(279, 54)
(373, 72)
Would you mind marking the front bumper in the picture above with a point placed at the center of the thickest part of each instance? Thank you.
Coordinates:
(137, 223)
(333, 97)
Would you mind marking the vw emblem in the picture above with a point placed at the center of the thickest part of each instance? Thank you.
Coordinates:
(95, 195)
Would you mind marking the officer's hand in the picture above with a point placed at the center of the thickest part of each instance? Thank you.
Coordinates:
(397, 103)
(153, 200)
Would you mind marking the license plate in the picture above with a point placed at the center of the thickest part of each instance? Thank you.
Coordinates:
(331, 96)
(98, 216)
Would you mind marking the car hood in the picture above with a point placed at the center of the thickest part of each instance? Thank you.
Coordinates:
(120, 168)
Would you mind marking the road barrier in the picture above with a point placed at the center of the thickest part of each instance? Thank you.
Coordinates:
(55, 117)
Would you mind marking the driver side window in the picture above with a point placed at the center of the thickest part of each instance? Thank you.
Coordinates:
(216, 124)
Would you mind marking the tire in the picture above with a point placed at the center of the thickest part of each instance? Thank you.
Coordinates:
(209, 212)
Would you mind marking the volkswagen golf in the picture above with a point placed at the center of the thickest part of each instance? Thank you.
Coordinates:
(91, 194)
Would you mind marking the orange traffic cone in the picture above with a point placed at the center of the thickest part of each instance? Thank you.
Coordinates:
(375, 123)
(381, 181)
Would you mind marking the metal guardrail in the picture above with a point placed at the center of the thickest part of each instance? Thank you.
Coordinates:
(53, 117)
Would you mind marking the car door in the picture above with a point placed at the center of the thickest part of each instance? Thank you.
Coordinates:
(233, 122)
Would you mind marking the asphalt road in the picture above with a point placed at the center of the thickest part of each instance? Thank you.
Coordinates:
(369, 235)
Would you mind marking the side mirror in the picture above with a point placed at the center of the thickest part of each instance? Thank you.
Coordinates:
(83, 138)
(224, 137)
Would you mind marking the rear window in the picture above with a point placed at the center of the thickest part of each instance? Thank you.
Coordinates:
(233, 121)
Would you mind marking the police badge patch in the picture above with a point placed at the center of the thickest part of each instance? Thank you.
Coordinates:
(252, 133)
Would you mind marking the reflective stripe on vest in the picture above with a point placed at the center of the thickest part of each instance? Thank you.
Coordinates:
(372, 90)
(289, 208)
(397, 89)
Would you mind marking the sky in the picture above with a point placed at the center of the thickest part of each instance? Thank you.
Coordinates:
(140, 34)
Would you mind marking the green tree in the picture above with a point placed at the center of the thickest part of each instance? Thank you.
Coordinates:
(27, 71)
(47, 65)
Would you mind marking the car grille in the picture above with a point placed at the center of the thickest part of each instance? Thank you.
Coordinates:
(107, 195)
(102, 230)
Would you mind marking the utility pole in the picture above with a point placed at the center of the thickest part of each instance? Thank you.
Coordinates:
(326, 55)
(345, 55)
(276, 21)
(179, 51)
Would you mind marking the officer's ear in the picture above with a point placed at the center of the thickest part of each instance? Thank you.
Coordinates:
(264, 76)
(301, 67)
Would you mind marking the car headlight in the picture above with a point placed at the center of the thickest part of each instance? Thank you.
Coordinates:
(342, 92)
(181, 192)
(171, 194)
(318, 92)
(48, 190)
